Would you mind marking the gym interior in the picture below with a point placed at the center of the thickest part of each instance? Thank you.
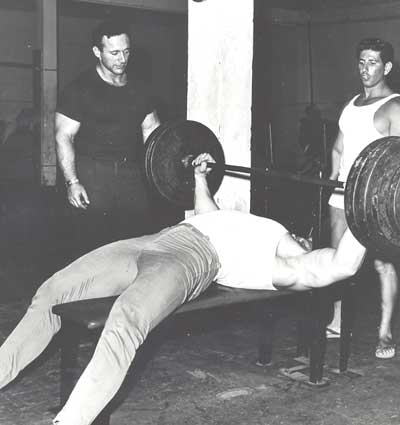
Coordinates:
(270, 79)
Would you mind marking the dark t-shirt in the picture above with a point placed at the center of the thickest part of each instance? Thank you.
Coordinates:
(110, 116)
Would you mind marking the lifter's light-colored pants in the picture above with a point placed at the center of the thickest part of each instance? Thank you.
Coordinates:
(153, 275)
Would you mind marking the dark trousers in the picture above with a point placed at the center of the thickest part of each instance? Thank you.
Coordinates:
(121, 205)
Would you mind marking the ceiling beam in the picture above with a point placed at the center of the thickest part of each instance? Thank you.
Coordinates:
(367, 12)
(172, 6)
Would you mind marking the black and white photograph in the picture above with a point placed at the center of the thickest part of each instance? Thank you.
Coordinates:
(199, 212)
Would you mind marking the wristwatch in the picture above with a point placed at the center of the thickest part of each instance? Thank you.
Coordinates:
(69, 183)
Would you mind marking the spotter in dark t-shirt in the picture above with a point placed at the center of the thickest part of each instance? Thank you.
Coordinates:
(110, 116)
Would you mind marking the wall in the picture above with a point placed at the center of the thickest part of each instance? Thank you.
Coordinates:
(288, 88)
(17, 38)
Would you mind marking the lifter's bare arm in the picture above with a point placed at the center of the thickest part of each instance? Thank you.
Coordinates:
(203, 200)
(65, 132)
(321, 267)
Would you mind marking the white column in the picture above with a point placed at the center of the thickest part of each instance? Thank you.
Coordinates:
(220, 59)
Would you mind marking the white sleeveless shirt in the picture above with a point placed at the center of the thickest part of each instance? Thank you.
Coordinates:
(246, 246)
(357, 126)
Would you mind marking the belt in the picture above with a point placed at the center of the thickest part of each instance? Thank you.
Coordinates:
(110, 159)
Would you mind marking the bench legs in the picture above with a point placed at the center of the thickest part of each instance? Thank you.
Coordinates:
(318, 320)
(306, 332)
(303, 338)
(69, 367)
(69, 360)
(317, 352)
(266, 336)
(347, 324)
(265, 340)
(311, 340)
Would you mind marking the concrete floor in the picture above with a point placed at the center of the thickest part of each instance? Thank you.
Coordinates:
(205, 373)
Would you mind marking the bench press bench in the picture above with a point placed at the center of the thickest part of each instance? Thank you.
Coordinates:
(308, 307)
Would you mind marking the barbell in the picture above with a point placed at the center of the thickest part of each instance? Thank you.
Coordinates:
(372, 197)
(372, 192)
(169, 152)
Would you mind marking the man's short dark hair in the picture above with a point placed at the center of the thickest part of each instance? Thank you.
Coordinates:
(109, 29)
(377, 45)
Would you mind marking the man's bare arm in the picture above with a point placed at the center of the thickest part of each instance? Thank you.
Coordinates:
(149, 124)
(394, 117)
(321, 267)
(203, 200)
(65, 132)
(336, 155)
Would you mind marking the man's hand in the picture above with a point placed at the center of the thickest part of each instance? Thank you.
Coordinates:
(77, 196)
(303, 242)
(200, 164)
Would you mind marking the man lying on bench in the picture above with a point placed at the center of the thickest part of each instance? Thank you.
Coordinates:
(155, 274)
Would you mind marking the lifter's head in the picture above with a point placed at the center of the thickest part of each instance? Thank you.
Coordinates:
(111, 45)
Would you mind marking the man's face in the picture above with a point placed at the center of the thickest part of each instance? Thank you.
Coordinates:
(372, 69)
(115, 53)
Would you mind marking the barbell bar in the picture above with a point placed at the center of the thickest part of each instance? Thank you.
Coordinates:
(266, 172)
(282, 175)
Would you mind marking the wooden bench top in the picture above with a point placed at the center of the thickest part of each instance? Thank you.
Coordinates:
(93, 313)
